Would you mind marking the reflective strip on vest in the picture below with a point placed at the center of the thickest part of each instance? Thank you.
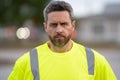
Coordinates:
(35, 68)
(34, 64)
(90, 60)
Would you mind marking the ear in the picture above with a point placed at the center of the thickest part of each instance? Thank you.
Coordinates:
(73, 24)
(45, 26)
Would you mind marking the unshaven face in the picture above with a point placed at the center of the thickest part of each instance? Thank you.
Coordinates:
(59, 27)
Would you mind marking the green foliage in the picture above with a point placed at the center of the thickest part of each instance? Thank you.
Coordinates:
(17, 11)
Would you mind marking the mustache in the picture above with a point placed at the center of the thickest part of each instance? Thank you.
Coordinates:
(58, 34)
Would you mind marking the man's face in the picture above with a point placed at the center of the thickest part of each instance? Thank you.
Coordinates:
(59, 27)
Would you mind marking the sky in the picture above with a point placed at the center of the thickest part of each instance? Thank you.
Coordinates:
(87, 7)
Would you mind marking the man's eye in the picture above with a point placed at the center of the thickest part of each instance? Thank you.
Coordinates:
(64, 24)
(53, 25)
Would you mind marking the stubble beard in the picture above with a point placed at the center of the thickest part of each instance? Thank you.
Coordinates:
(59, 42)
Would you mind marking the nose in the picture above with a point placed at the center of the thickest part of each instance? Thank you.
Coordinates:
(59, 29)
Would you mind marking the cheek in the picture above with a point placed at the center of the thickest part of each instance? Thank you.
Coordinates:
(50, 32)
(70, 30)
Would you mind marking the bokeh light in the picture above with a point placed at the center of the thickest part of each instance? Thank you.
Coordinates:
(23, 33)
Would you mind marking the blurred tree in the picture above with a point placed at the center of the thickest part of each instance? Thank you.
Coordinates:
(17, 11)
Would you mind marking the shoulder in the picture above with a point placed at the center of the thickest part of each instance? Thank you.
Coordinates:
(23, 60)
(21, 68)
(100, 61)
(103, 70)
(81, 48)
(98, 56)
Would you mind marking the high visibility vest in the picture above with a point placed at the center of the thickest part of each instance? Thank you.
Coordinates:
(35, 68)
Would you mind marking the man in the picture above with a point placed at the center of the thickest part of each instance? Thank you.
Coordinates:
(60, 58)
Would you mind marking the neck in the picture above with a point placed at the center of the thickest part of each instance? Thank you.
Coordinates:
(65, 48)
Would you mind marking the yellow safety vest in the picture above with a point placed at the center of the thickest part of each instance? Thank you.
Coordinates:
(79, 63)
(35, 69)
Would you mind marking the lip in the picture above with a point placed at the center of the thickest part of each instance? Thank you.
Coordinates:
(59, 37)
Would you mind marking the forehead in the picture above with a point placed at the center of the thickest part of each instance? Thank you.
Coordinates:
(59, 16)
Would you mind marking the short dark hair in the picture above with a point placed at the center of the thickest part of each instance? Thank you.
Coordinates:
(58, 6)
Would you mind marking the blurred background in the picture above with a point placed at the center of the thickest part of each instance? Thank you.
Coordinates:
(21, 29)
